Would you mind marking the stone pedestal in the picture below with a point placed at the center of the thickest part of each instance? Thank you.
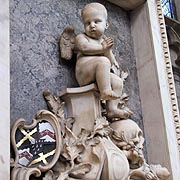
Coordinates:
(83, 104)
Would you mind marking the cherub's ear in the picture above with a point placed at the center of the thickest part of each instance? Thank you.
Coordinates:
(107, 25)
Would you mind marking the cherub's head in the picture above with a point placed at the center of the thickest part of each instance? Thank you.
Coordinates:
(95, 20)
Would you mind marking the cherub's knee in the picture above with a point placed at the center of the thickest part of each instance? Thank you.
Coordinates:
(120, 82)
(116, 81)
(104, 61)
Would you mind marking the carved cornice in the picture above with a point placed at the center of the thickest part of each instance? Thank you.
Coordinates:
(170, 78)
(128, 4)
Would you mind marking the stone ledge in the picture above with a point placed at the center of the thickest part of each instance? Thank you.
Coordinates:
(77, 90)
(128, 4)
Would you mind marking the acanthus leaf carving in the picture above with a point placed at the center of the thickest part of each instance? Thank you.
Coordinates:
(101, 127)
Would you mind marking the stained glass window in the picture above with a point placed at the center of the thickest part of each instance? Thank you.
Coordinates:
(169, 8)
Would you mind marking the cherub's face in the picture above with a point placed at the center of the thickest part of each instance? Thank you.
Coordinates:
(94, 23)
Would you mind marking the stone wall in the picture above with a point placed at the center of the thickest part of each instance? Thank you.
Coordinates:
(35, 64)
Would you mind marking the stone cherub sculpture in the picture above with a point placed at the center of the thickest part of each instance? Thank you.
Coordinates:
(95, 58)
(107, 150)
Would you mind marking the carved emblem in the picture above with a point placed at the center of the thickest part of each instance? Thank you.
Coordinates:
(88, 133)
(36, 146)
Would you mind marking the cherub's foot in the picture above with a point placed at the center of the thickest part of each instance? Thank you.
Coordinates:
(109, 95)
(119, 113)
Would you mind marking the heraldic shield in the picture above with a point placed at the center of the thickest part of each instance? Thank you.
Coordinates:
(37, 146)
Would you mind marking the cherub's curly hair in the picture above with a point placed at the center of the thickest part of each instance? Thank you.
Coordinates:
(94, 7)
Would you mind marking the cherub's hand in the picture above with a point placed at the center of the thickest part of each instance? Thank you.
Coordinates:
(107, 43)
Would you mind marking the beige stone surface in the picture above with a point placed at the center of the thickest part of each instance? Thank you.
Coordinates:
(83, 105)
(128, 4)
(4, 91)
(155, 97)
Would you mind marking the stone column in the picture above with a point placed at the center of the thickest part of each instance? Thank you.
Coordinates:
(156, 85)
(4, 92)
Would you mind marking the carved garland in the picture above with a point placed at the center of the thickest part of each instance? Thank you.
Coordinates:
(170, 79)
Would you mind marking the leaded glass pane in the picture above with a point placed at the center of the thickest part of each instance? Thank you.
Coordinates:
(169, 8)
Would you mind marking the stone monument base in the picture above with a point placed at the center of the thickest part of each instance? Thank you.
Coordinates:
(83, 104)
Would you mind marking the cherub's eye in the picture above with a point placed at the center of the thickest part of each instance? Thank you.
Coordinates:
(97, 21)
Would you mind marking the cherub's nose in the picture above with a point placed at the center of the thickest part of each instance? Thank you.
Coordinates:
(92, 24)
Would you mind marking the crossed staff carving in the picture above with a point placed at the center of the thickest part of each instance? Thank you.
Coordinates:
(43, 158)
(27, 135)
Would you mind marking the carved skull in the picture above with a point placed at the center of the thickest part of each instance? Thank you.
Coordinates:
(129, 138)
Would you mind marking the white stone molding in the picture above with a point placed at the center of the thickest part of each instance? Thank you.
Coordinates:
(156, 84)
(169, 72)
(4, 91)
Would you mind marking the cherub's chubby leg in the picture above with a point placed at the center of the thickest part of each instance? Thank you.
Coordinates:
(116, 84)
(103, 79)
(113, 111)
(96, 69)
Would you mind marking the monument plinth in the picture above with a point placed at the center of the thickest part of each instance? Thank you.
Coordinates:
(82, 104)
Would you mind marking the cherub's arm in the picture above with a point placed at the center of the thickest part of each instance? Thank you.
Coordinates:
(114, 64)
(112, 58)
(88, 48)
(109, 54)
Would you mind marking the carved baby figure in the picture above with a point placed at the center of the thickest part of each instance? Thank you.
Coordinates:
(95, 58)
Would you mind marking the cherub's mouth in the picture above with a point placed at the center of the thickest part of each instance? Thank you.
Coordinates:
(93, 31)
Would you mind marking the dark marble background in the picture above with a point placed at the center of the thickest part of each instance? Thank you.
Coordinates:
(36, 26)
